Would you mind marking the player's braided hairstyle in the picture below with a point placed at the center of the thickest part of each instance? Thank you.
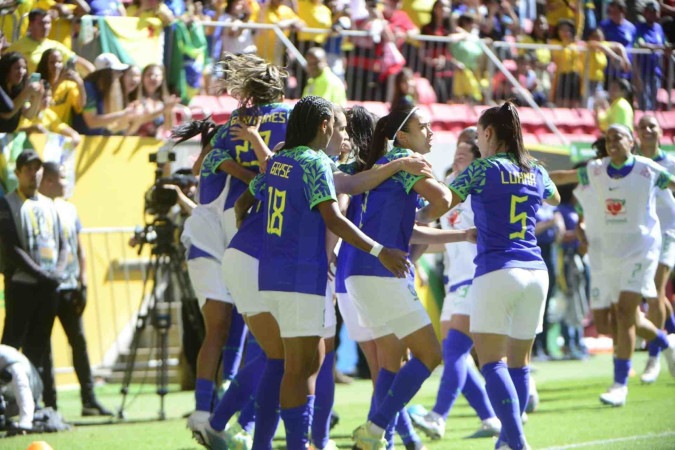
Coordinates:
(505, 122)
(207, 128)
(385, 130)
(360, 128)
(307, 115)
(252, 80)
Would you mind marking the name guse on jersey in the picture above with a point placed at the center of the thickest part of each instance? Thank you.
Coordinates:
(528, 178)
(280, 169)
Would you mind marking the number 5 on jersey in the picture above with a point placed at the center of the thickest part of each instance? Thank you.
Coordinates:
(276, 203)
(515, 218)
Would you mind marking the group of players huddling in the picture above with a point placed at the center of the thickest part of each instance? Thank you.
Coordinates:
(274, 209)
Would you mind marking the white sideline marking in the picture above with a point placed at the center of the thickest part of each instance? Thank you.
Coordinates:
(610, 441)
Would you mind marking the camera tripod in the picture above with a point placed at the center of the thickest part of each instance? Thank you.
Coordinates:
(166, 273)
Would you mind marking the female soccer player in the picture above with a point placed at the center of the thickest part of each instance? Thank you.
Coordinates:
(225, 172)
(455, 319)
(300, 203)
(660, 311)
(389, 307)
(510, 283)
(624, 189)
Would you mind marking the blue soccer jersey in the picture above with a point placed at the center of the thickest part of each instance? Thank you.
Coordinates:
(211, 180)
(247, 238)
(293, 256)
(352, 210)
(387, 215)
(504, 200)
(274, 118)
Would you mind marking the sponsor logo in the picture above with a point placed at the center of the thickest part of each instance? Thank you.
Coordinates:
(615, 206)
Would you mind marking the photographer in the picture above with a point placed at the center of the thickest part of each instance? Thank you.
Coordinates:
(72, 291)
(33, 256)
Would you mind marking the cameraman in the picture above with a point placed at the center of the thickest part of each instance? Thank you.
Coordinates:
(72, 291)
(33, 254)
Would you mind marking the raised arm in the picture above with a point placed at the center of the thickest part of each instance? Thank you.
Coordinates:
(560, 177)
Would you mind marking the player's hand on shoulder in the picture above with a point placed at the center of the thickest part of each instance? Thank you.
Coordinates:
(396, 261)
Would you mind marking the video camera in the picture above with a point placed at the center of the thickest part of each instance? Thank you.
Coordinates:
(158, 198)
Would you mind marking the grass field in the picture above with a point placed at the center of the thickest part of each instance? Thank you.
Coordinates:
(569, 416)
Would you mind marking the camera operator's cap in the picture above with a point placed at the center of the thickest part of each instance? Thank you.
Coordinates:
(651, 4)
(109, 61)
(26, 157)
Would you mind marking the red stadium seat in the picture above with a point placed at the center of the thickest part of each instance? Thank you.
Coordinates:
(425, 92)
(587, 120)
(667, 121)
(531, 120)
(451, 117)
(568, 120)
(529, 138)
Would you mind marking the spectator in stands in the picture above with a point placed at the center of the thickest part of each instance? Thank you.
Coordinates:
(23, 94)
(322, 82)
(648, 73)
(500, 20)
(67, 87)
(151, 8)
(620, 107)
(573, 10)
(35, 44)
(47, 121)
(569, 67)
(542, 55)
(527, 78)
(469, 61)
(435, 56)
(599, 51)
(235, 40)
(315, 15)
(618, 29)
(154, 108)
(269, 46)
(405, 93)
(105, 112)
(108, 8)
(333, 45)
(402, 27)
(131, 84)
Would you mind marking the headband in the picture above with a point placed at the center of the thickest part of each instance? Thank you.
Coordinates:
(621, 128)
(390, 142)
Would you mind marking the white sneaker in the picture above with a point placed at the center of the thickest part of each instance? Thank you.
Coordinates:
(431, 424)
(330, 446)
(214, 440)
(365, 440)
(615, 395)
(669, 354)
(238, 439)
(197, 422)
(489, 428)
(652, 370)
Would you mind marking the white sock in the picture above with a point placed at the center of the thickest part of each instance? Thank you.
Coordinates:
(375, 430)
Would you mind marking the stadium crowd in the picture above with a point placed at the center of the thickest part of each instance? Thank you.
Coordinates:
(375, 165)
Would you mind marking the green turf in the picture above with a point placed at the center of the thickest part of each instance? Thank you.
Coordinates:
(569, 415)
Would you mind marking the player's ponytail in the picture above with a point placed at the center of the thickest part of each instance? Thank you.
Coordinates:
(207, 128)
(360, 128)
(384, 137)
(505, 122)
(303, 124)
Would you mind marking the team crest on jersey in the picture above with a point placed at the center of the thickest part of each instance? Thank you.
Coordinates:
(615, 206)
(453, 217)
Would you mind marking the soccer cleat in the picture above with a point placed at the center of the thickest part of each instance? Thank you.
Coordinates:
(238, 439)
(489, 428)
(615, 395)
(669, 354)
(331, 445)
(197, 421)
(652, 370)
(415, 445)
(533, 400)
(212, 439)
(431, 424)
(365, 440)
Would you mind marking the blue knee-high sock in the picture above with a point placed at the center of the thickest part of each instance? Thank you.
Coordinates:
(247, 415)
(456, 346)
(385, 379)
(504, 400)
(660, 342)
(253, 349)
(267, 404)
(204, 394)
(234, 345)
(296, 422)
(670, 324)
(521, 381)
(405, 429)
(325, 395)
(474, 392)
(243, 385)
(621, 371)
(406, 384)
(311, 402)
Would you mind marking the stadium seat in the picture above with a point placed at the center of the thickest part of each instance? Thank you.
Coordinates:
(454, 117)
(529, 138)
(587, 120)
(568, 120)
(378, 108)
(667, 121)
(425, 92)
(662, 97)
(531, 120)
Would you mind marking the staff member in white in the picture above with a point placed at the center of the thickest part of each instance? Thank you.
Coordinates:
(15, 366)
(625, 187)
(649, 132)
